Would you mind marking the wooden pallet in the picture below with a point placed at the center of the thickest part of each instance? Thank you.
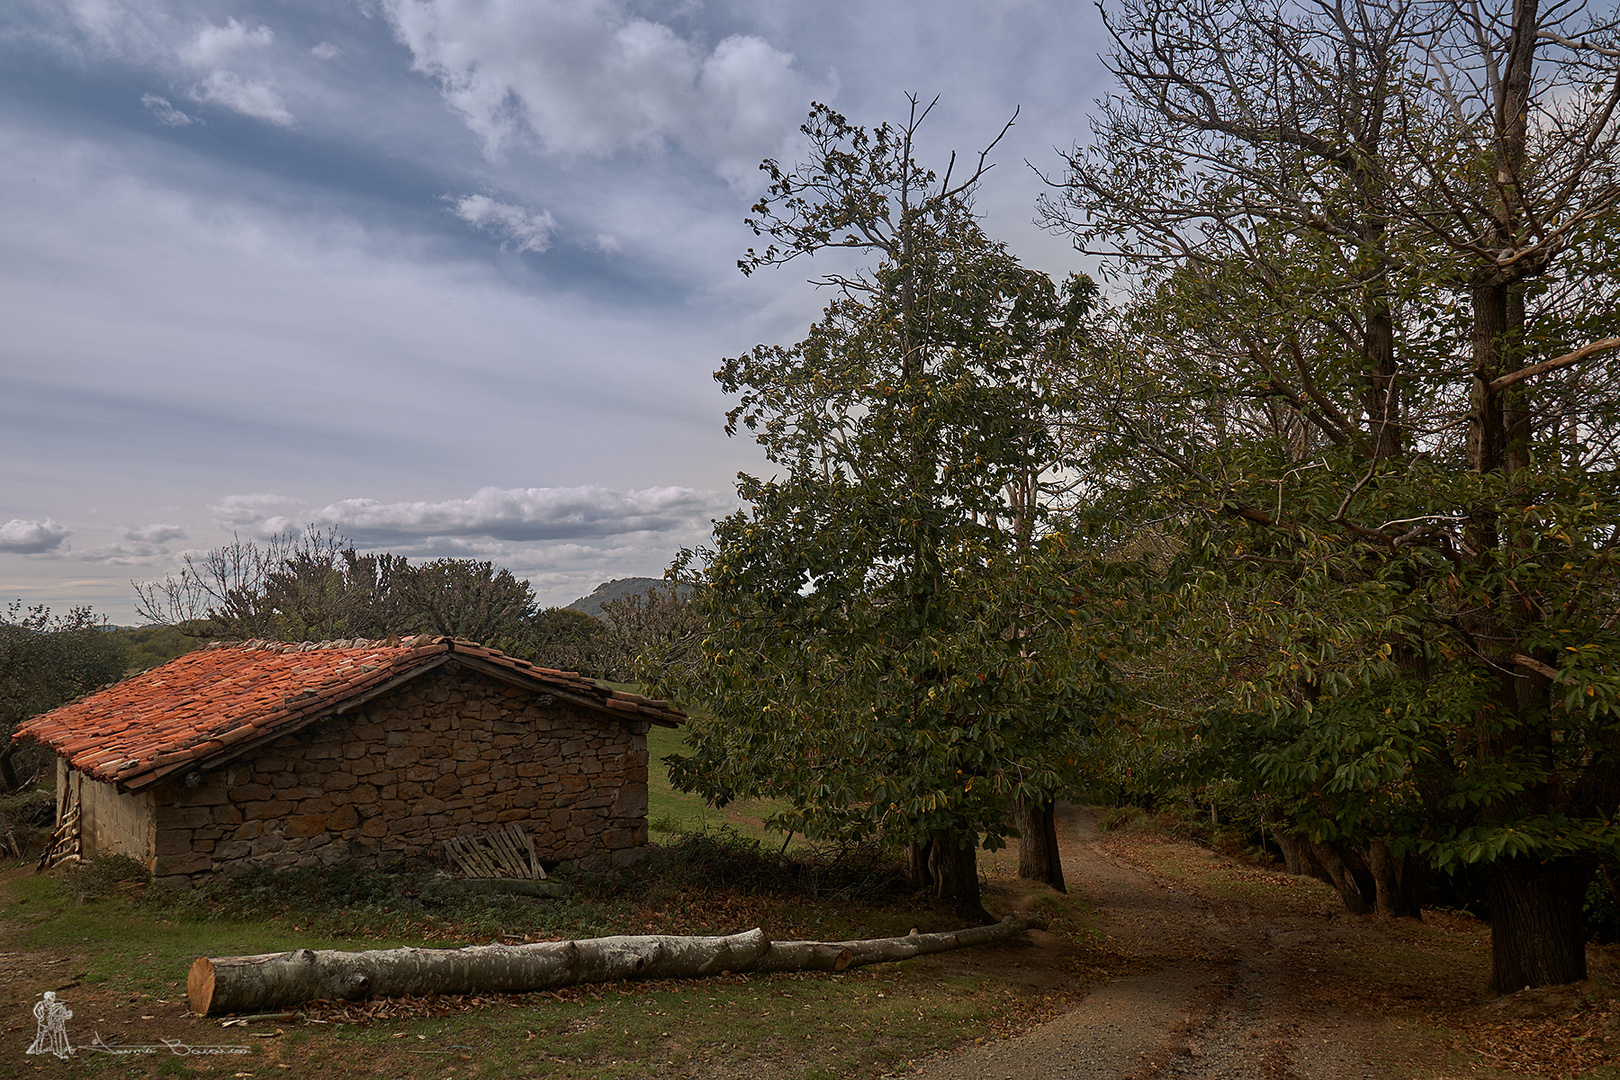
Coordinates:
(507, 853)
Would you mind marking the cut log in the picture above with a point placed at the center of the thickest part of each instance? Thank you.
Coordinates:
(258, 984)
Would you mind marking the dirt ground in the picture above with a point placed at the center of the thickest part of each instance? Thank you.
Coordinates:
(1199, 966)
(1230, 971)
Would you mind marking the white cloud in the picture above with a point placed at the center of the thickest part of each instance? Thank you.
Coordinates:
(213, 44)
(250, 97)
(325, 51)
(164, 113)
(588, 77)
(23, 537)
(152, 534)
(607, 243)
(514, 515)
(235, 511)
(138, 545)
(528, 230)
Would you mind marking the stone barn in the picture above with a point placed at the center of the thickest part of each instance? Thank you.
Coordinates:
(269, 754)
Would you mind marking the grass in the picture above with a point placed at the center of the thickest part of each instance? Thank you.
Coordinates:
(671, 813)
(117, 950)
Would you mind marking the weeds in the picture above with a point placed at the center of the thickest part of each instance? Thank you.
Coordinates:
(721, 858)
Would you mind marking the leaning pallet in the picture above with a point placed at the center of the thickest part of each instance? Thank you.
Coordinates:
(507, 853)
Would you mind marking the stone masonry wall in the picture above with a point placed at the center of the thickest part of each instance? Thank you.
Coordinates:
(449, 754)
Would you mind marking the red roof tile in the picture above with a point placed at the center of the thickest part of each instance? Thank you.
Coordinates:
(213, 704)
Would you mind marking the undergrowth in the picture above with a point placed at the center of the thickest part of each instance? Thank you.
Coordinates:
(721, 858)
(673, 890)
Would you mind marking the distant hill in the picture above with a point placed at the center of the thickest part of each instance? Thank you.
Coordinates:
(620, 587)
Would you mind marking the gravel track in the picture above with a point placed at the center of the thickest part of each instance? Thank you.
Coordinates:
(1210, 993)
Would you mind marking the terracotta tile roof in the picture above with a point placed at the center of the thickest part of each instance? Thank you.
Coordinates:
(211, 705)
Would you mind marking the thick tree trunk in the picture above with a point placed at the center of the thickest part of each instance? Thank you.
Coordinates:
(8, 774)
(1038, 856)
(955, 869)
(1537, 937)
(1297, 857)
(242, 984)
(1343, 877)
(1394, 883)
(918, 875)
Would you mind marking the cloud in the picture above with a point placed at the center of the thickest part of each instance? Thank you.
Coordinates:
(250, 97)
(325, 51)
(529, 231)
(151, 534)
(236, 511)
(521, 515)
(22, 537)
(139, 545)
(213, 44)
(607, 243)
(589, 77)
(164, 113)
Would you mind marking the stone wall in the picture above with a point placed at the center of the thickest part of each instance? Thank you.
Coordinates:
(449, 754)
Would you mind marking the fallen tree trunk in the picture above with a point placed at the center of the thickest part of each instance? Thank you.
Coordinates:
(258, 984)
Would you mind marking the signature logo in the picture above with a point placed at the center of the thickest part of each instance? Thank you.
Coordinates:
(52, 1017)
(51, 1037)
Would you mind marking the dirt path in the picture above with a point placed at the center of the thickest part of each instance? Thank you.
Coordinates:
(1215, 988)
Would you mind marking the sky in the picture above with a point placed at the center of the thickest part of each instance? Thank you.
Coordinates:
(448, 276)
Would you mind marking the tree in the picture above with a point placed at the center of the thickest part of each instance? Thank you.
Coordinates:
(1367, 249)
(879, 650)
(462, 598)
(649, 632)
(316, 587)
(310, 586)
(48, 660)
(570, 641)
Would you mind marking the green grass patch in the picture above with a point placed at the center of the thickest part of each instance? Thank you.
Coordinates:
(670, 813)
(118, 948)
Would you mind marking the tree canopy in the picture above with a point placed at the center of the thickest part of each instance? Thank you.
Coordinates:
(875, 653)
(317, 586)
(1360, 374)
(48, 660)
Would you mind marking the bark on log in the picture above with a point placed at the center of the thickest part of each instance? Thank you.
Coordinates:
(243, 984)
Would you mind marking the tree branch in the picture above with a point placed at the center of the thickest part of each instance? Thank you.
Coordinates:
(1502, 382)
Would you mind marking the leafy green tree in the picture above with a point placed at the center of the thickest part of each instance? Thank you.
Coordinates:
(570, 641)
(48, 660)
(649, 631)
(879, 650)
(316, 587)
(462, 598)
(1368, 260)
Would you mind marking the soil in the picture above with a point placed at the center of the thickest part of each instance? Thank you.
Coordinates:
(1191, 965)
(1228, 970)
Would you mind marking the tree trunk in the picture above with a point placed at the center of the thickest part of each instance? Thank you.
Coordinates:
(1394, 883)
(955, 869)
(240, 984)
(1343, 878)
(8, 775)
(1537, 937)
(1297, 857)
(918, 874)
(1038, 856)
